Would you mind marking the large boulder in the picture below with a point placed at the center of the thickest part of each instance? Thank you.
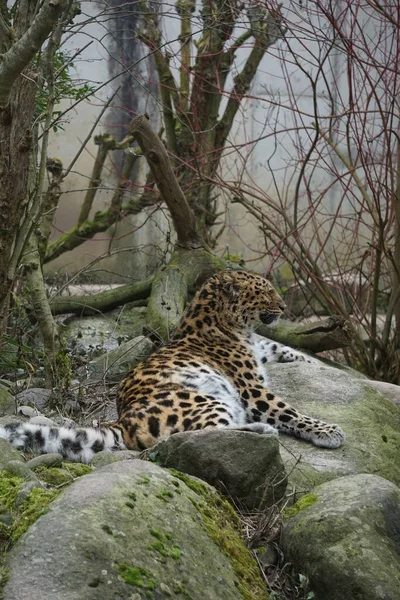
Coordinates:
(371, 423)
(244, 465)
(345, 537)
(132, 530)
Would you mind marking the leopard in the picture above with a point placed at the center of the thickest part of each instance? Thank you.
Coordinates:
(210, 374)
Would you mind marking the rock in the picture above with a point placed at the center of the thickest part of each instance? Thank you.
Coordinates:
(26, 489)
(7, 402)
(371, 423)
(27, 411)
(114, 364)
(134, 530)
(41, 420)
(347, 540)
(107, 458)
(20, 469)
(8, 453)
(36, 396)
(52, 459)
(243, 465)
(390, 390)
(94, 335)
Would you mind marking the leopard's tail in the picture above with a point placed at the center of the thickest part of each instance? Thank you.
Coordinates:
(74, 444)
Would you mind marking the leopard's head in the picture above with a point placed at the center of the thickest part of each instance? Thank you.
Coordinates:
(245, 297)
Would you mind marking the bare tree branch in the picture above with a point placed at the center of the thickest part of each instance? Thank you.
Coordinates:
(170, 190)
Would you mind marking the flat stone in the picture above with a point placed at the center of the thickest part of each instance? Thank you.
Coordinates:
(28, 411)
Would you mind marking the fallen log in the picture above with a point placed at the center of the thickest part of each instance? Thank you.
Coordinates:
(327, 334)
(104, 301)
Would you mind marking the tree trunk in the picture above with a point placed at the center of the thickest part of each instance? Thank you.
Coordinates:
(15, 145)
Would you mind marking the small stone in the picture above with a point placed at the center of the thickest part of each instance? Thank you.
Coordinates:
(28, 411)
(127, 454)
(26, 489)
(20, 469)
(41, 420)
(105, 457)
(164, 588)
(52, 459)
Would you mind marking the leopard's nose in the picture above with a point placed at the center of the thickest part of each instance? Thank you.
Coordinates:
(282, 305)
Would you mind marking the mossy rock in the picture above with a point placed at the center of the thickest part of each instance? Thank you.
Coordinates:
(345, 539)
(136, 530)
(7, 401)
(23, 500)
(370, 421)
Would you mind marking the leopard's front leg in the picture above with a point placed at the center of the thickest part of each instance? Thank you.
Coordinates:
(269, 351)
(265, 407)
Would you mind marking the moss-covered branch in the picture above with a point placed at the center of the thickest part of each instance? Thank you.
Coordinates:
(104, 219)
(104, 301)
(327, 334)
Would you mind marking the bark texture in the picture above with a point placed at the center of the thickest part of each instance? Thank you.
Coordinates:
(327, 334)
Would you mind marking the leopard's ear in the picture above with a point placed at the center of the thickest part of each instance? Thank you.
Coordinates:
(230, 284)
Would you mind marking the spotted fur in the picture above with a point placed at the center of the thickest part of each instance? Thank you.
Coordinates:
(211, 374)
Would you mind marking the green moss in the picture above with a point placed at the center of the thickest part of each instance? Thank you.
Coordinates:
(9, 486)
(156, 534)
(77, 469)
(35, 505)
(165, 495)
(67, 473)
(163, 545)
(304, 502)
(137, 576)
(180, 589)
(223, 526)
(143, 480)
(63, 369)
